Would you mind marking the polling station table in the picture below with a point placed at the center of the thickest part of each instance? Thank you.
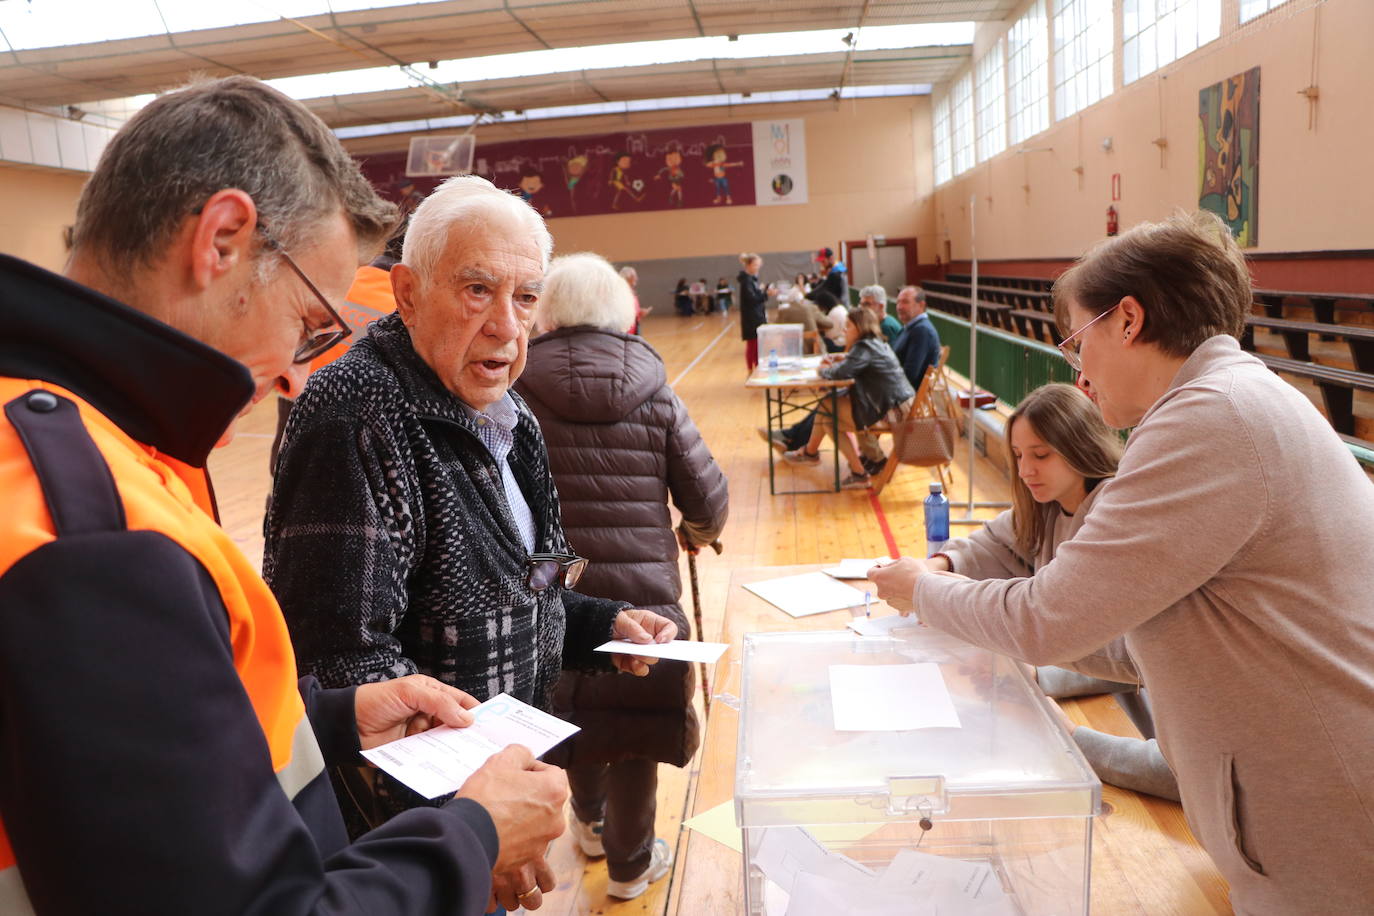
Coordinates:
(790, 393)
(1144, 860)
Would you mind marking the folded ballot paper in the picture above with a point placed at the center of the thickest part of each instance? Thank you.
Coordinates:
(851, 568)
(810, 880)
(437, 762)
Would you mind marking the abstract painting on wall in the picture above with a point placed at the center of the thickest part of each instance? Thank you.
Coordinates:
(1228, 153)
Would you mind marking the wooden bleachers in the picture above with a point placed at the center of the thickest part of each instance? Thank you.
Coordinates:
(996, 314)
(1337, 386)
(1297, 336)
(1037, 325)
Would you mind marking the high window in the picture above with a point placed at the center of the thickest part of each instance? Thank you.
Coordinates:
(1249, 9)
(1028, 57)
(961, 119)
(1082, 54)
(944, 162)
(992, 104)
(1158, 32)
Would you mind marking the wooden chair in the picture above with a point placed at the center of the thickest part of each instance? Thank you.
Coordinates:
(923, 405)
(811, 343)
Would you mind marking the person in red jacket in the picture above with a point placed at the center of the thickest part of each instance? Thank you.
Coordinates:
(160, 753)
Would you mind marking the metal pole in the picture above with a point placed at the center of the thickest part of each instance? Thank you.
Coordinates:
(972, 345)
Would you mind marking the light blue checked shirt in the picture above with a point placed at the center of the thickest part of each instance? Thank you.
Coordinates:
(496, 429)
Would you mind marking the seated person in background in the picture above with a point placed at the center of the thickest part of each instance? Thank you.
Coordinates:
(880, 391)
(874, 298)
(837, 312)
(620, 444)
(724, 294)
(918, 345)
(793, 309)
(802, 282)
(414, 525)
(1063, 454)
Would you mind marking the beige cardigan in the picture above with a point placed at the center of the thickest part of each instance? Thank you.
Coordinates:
(1233, 551)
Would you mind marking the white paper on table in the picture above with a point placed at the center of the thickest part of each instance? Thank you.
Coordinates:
(881, 626)
(437, 762)
(850, 568)
(868, 698)
(785, 852)
(808, 593)
(686, 650)
(818, 895)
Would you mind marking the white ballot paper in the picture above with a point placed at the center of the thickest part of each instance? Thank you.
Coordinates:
(786, 852)
(818, 895)
(808, 593)
(881, 626)
(867, 698)
(948, 886)
(439, 761)
(850, 568)
(682, 649)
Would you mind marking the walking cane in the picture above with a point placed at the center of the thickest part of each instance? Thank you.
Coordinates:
(692, 551)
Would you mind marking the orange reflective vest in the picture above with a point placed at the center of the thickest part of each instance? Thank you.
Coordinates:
(369, 298)
(159, 494)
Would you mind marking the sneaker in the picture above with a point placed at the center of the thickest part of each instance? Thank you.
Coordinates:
(588, 836)
(855, 482)
(873, 468)
(774, 438)
(799, 456)
(659, 862)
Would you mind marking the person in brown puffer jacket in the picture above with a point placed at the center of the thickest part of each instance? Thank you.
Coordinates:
(620, 443)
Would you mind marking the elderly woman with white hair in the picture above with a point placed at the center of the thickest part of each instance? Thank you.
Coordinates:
(414, 526)
(620, 445)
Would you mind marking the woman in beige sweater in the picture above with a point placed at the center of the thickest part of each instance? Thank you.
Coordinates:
(1062, 453)
(1232, 551)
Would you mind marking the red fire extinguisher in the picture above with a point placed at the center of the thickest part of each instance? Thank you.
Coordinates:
(1112, 224)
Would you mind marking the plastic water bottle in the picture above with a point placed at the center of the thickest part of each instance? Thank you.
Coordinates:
(937, 518)
(773, 365)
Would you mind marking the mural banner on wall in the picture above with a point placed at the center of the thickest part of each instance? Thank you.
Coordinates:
(1228, 153)
(711, 166)
(780, 162)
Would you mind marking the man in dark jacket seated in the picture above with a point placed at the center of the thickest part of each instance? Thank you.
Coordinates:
(414, 525)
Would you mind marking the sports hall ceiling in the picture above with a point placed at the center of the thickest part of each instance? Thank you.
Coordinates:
(416, 33)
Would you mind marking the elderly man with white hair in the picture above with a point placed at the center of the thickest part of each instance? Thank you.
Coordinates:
(874, 298)
(414, 525)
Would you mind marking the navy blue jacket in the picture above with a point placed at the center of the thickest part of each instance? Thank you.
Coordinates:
(917, 348)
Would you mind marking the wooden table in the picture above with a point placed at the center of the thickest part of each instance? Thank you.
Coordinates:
(794, 392)
(1144, 858)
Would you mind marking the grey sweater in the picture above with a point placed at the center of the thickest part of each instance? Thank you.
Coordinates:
(1233, 552)
(991, 552)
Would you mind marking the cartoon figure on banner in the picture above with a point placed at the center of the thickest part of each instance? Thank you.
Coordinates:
(716, 157)
(573, 170)
(621, 181)
(531, 183)
(672, 169)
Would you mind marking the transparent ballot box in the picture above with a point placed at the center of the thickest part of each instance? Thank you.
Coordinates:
(785, 338)
(910, 774)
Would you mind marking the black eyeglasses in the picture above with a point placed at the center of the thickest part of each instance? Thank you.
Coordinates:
(318, 341)
(543, 569)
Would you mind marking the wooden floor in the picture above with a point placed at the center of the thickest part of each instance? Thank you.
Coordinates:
(705, 364)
